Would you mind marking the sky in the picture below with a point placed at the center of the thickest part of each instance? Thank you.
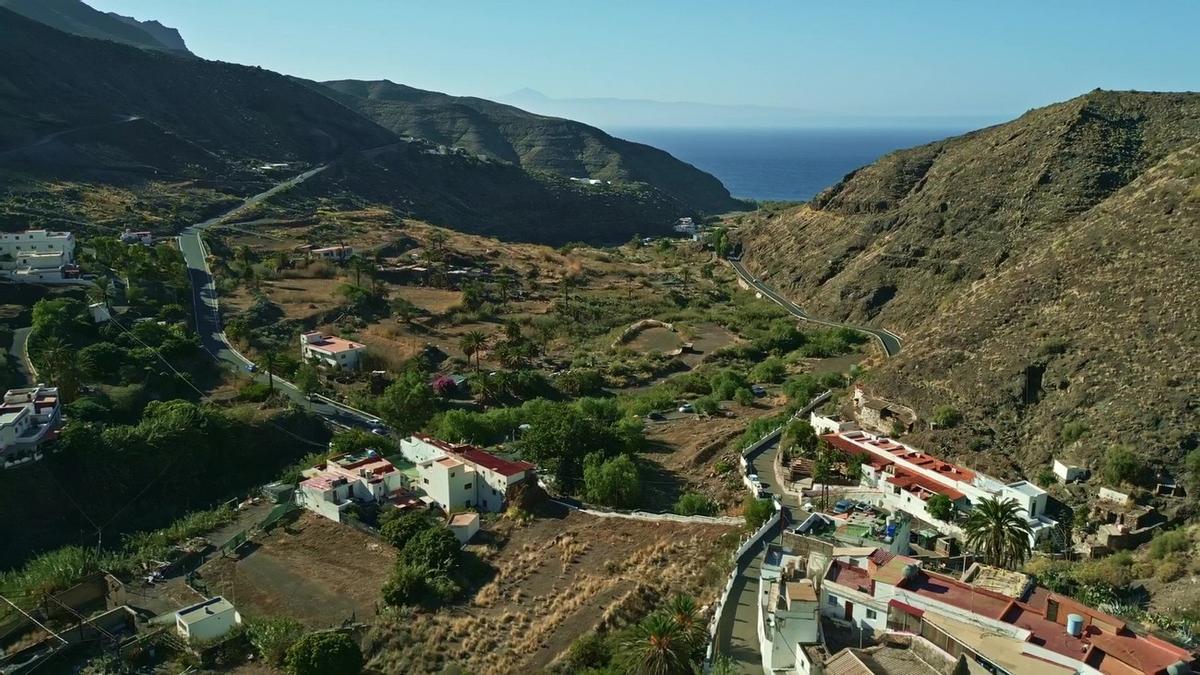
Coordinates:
(864, 57)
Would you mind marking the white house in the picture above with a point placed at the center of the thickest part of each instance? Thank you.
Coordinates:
(460, 476)
(331, 351)
(144, 237)
(330, 489)
(464, 526)
(789, 614)
(1068, 473)
(908, 478)
(333, 252)
(207, 620)
(36, 256)
(1022, 628)
(829, 424)
(28, 418)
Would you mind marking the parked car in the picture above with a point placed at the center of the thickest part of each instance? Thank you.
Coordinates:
(656, 416)
(758, 390)
(251, 368)
(379, 431)
(842, 506)
(687, 408)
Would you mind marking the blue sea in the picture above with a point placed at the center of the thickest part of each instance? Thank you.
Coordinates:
(786, 164)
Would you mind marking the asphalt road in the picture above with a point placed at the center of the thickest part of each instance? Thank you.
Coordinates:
(890, 342)
(208, 310)
(20, 351)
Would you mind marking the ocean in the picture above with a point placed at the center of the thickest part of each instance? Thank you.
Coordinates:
(784, 164)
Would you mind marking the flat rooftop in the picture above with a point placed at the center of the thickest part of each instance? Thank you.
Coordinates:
(202, 610)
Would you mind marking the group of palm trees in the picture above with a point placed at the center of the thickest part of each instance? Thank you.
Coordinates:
(670, 641)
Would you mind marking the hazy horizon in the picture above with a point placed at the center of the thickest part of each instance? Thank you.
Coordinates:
(716, 64)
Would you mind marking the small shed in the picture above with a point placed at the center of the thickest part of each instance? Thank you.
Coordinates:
(464, 526)
(1066, 472)
(207, 620)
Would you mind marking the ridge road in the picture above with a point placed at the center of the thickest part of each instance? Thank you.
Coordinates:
(891, 343)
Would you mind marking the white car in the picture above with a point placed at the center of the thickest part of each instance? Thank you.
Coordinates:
(687, 408)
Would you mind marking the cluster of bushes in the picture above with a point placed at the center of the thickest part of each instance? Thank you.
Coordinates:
(430, 569)
(695, 504)
(282, 642)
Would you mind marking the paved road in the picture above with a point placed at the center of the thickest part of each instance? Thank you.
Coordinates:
(20, 351)
(890, 341)
(208, 308)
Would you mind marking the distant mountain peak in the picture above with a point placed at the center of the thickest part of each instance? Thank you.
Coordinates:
(77, 18)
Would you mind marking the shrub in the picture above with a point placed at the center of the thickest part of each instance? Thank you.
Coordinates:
(1052, 346)
(324, 654)
(743, 397)
(1073, 431)
(590, 651)
(615, 482)
(1046, 478)
(273, 637)
(399, 530)
(1167, 543)
(255, 392)
(757, 512)
(946, 416)
(770, 369)
(1169, 570)
(435, 549)
(695, 504)
(706, 405)
(940, 507)
(1121, 465)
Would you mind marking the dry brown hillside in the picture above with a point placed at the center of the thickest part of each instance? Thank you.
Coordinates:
(1042, 272)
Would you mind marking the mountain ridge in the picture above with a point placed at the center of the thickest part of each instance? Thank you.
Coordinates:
(562, 147)
(78, 18)
(972, 248)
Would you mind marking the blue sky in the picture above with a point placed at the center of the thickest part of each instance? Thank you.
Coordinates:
(859, 57)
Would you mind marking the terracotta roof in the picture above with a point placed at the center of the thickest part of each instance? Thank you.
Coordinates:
(848, 575)
(334, 344)
(920, 485)
(487, 460)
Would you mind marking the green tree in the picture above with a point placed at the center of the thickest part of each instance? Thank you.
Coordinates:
(770, 369)
(1121, 465)
(656, 646)
(800, 438)
(435, 549)
(757, 512)
(406, 585)
(272, 637)
(615, 482)
(307, 379)
(996, 529)
(695, 504)
(472, 344)
(400, 530)
(940, 507)
(324, 654)
(743, 397)
(350, 441)
(408, 403)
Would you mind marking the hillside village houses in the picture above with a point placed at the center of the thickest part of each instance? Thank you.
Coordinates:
(333, 488)
(904, 479)
(460, 476)
(29, 418)
(331, 351)
(38, 256)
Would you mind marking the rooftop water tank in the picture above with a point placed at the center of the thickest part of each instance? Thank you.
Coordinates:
(1074, 625)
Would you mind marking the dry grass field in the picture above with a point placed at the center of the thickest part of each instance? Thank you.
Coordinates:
(557, 578)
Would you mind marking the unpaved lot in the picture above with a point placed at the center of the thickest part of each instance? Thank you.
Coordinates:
(557, 578)
(314, 570)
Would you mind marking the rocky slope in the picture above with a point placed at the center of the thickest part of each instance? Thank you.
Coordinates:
(1040, 271)
(561, 147)
(73, 16)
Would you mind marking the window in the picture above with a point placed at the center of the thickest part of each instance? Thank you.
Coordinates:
(832, 600)
(467, 486)
(426, 480)
(467, 504)
(871, 614)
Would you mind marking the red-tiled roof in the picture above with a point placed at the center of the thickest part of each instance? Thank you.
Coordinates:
(907, 608)
(848, 575)
(487, 460)
(915, 483)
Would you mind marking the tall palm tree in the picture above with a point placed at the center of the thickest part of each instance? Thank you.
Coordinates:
(472, 344)
(997, 530)
(656, 646)
(684, 611)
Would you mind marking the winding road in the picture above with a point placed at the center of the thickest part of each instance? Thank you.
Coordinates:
(891, 343)
(208, 310)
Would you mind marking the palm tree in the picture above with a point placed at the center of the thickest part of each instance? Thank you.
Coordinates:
(61, 367)
(656, 646)
(997, 530)
(471, 344)
(684, 611)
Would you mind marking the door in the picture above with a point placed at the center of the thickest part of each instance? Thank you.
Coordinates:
(849, 611)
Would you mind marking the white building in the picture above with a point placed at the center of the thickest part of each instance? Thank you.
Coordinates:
(1068, 473)
(464, 526)
(1001, 625)
(207, 620)
(330, 489)
(333, 252)
(908, 478)
(36, 256)
(829, 424)
(331, 351)
(28, 418)
(144, 237)
(460, 476)
(789, 614)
